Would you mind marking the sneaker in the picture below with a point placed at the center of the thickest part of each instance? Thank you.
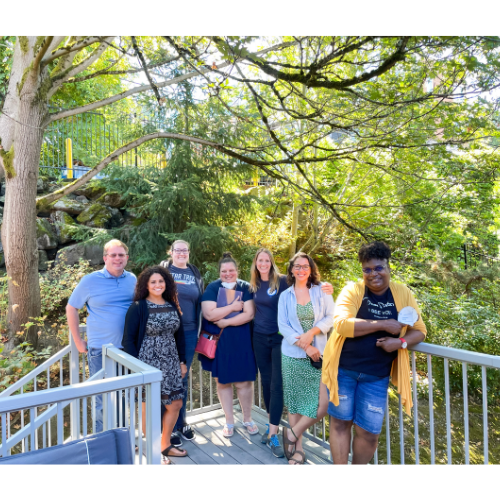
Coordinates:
(265, 435)
(175, 440)
(276, 447)
(186, 432)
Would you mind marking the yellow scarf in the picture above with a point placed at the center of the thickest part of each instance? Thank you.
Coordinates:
(346, 308)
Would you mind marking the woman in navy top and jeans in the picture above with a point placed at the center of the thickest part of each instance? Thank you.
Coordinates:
(267, 284)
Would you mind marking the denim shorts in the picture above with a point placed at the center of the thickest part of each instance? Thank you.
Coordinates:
(362, 400)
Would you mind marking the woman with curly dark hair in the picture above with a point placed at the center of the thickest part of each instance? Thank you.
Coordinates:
(154, 334)
(305, 316)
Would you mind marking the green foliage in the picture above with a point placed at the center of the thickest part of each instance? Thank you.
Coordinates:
(19, 363)
(463, 322)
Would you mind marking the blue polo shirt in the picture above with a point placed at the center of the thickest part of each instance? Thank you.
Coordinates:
(107, 299)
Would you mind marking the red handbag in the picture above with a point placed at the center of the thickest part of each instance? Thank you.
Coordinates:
(208, 346)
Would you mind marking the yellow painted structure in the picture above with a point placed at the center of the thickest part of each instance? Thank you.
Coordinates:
(69, 157)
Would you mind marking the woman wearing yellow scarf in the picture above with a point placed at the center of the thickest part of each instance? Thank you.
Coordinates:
(368, 348)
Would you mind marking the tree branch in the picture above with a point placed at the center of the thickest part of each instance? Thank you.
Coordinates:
(143, 88)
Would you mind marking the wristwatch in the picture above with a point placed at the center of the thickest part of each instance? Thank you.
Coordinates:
(404, 344)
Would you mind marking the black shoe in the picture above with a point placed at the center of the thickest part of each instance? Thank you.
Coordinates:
(186, 432)
(175, 440)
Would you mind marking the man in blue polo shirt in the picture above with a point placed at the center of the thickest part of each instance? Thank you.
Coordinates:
(107, 294)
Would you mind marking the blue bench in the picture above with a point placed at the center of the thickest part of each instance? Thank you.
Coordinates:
(108, 447)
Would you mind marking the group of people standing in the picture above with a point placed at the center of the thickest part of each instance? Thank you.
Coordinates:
(314, 356)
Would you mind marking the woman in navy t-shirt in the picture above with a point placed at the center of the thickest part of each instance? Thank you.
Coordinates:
(267, 284)
(234, 361)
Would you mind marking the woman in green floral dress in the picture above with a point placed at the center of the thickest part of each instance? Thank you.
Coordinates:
(305, 317)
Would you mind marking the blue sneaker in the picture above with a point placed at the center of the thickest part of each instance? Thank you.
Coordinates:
(276, 446)
(265, 435)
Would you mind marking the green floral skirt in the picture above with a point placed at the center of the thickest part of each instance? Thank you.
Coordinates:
(301, 384)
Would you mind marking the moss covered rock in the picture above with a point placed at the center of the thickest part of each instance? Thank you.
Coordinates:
(113, 199)
(69, 206)
(43, 261)
(91, 191)
(96, 216)
(46, 236)
(63, 223)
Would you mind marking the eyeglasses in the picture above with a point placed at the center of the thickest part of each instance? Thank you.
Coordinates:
(113, 255)
(298, 268)
(181, 250)
(377, 269)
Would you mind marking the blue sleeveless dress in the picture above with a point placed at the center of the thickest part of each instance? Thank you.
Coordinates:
(234, 359)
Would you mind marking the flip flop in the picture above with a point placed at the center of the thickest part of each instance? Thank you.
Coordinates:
(166, 452)
(298, 462)
(228, 430)
(165, 460)
(287, 443)
(250, 425)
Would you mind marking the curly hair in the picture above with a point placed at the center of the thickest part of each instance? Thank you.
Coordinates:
(314, 277)
(170, 293)
(375, 250)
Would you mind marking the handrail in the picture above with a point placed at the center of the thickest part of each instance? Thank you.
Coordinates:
(476, 358)
(16, 386)
(77, 391)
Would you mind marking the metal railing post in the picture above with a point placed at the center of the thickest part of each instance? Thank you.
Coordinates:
(74, 376)
(153, 424)
(108, 399)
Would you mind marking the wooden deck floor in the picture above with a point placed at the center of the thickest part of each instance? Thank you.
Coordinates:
(210, 447)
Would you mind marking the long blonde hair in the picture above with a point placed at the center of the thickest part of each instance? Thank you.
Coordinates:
(274, 273)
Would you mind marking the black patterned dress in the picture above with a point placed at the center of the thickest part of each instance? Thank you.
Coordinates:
(160, 351)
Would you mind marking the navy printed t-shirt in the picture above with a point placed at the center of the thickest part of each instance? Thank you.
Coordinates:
(266, 307)
(361, 354)
(188, 296)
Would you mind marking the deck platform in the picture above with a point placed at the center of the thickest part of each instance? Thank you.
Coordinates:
(210, 447)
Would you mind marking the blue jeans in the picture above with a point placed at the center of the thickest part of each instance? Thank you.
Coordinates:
(191, 339)
(94, 358)
(362, 399)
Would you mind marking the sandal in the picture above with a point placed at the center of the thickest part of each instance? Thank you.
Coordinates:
(298, 462)
(228, 430)
(165, 460)
(287, 443)
(166, 452)
(251, 427)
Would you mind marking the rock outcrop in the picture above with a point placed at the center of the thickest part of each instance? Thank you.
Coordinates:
(72, 254)
(46, 236)
(96, 215)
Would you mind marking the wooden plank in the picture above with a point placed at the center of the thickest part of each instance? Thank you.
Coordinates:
(315, 453)
(212, 430)
(202, 417)
(242, 440)
(197, 453)
(313, 447)
(217, 452)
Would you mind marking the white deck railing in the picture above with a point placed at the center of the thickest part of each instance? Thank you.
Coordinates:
(123, 378)
(40, 416)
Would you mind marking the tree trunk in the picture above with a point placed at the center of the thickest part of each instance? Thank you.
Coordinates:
(21, 138)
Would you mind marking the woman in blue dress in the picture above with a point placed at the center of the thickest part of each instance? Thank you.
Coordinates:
(234, 361)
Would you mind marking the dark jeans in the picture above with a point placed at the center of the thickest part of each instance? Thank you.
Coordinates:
(191, 339)
(267, 349)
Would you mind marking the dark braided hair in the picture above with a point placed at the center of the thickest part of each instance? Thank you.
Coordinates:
(170, 293)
